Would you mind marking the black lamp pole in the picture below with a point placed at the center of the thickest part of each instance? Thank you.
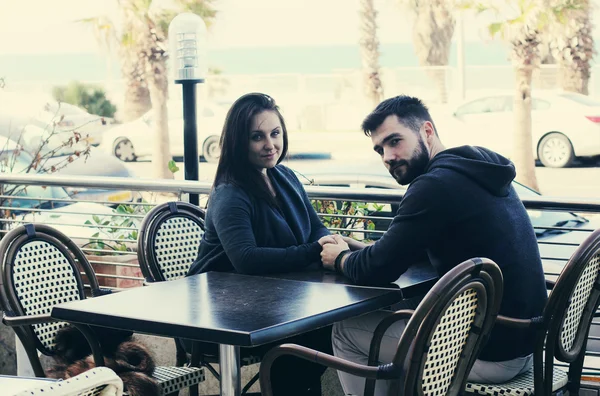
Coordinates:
(190, 134)
(187, 34)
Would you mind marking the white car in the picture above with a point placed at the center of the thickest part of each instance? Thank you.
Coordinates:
(52, 205)
(132, 140)
(565, 125)
(53, 114)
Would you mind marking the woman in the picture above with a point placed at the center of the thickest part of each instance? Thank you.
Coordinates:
(260, 220)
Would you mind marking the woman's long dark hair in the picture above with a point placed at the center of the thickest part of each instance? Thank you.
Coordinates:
(234, 166)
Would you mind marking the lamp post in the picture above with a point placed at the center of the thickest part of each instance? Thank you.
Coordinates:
(187, 50)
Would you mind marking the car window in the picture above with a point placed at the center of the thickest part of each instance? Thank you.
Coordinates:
(493, 104)
(539, 104)
(580, 99)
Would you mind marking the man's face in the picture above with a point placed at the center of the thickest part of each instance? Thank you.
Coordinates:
(403, 151)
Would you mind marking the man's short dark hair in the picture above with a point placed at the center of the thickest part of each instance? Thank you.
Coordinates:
(411, 112)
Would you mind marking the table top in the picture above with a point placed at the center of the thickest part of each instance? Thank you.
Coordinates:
(228, 308)
(416, 281)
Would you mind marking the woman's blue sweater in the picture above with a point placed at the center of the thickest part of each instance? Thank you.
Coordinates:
(246, 235)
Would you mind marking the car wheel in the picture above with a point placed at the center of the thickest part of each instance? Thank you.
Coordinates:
(556, 151)
(124, 150)
(210, 149)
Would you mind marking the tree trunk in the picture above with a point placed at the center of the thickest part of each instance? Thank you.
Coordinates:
(432, 36)
(523, 145)
(575, 49)
(137, 100)
(158, 87)
(575, 80)
(137, 97)
(369, 47)
(438, 76)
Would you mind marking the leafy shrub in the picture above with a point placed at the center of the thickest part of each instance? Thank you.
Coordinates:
(90, 97)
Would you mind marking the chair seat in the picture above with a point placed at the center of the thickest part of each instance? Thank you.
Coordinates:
(173, 379)
(521, 385)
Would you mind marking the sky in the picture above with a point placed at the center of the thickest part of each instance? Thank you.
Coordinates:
(50, 26)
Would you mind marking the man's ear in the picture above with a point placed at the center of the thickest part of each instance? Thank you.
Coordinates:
(429, 131)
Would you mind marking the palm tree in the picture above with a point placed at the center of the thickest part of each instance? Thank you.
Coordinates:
(523, 23)
(142, 43)
(112, 38)
(369, 48)
(573, 46)
(150, 44)
(432, 37)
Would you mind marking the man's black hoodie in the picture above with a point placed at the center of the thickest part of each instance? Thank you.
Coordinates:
(464, 206)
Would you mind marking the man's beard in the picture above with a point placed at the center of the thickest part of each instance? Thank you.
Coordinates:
(414, 167)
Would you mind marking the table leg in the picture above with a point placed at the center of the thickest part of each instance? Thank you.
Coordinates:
(229, 362)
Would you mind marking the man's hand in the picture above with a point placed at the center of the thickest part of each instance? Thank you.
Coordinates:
(327, 239)
(331, 251)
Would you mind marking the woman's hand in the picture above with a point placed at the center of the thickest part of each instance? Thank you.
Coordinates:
(354, 244)
(327, 239)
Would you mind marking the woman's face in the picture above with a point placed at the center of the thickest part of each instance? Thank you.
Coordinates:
(265, 140)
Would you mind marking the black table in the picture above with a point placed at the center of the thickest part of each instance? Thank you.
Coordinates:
(229, 309)
(416, 281)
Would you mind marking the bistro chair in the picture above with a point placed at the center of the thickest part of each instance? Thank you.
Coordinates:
(168, 243)
(40, 269)
(562, 331)
(169, 239)
(441, 340)
(99, 381)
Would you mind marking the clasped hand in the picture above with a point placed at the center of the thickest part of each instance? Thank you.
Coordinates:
(332, 246)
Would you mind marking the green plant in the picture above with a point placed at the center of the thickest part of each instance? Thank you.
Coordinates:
(348, 218)
(173, 166)
(117, 227)
(90, 97)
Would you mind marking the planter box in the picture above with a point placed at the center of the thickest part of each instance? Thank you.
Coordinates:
(116, 271)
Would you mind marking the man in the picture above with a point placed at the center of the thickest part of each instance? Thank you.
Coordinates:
(460, 204)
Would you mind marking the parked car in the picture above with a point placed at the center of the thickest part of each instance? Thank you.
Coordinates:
(373, 174)
(59, 209)
(132, 140)
(30, 133)
(98, 164)
(565, 125)
(50, 113)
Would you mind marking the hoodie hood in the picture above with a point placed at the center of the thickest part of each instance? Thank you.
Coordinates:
(485, 167)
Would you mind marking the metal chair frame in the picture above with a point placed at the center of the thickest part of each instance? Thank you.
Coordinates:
(417, 345)
(153, 222)
(573, 301)
(99, 381)
(154, 271)
(62, 277)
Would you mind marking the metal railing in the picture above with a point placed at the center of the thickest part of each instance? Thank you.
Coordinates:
(108, 235)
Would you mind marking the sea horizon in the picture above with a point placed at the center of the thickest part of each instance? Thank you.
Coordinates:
(94, 66)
